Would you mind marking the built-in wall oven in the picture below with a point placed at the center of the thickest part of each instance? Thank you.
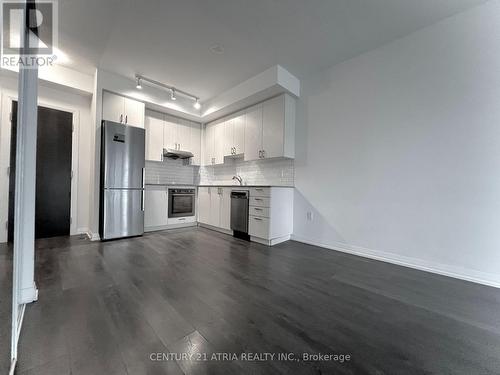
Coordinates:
(181, 202)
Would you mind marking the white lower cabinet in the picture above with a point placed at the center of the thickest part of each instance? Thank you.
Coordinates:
(204, 205)
(214, 206)
(270, 211)
(270, 219)
(155, 208)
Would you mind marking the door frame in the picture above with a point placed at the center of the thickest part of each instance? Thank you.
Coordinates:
(5, 134)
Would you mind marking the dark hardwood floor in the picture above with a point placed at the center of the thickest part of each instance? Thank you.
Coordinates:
(105, 307)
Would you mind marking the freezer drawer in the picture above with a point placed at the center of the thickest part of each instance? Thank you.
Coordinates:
(123, 214)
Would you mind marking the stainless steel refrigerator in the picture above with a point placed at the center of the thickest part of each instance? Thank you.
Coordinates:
(122, 181)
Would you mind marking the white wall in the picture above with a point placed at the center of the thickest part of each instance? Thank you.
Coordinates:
(398, 150)
(63, 99)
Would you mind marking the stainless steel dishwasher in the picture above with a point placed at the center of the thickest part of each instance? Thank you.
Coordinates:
(239, 214)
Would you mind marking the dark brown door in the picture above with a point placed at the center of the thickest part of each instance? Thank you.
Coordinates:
(53, 173)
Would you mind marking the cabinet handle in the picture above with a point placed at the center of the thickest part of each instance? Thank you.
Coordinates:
(257, 199)
(259, 189)
(258, 218)
(121, 119)
(257, 209)
(263, 154)
(182, 218)
(126, 118)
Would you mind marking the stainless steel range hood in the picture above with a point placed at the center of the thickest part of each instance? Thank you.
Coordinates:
(176, 154)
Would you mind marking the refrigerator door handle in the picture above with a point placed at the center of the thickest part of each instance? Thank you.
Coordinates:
(143, 188)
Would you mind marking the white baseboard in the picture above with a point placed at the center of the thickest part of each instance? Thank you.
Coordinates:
(217, 229)
(169, 226)
(437, 268)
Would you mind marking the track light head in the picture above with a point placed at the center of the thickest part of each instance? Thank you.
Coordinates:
(172, 95)
(197, 104)
(139, 83)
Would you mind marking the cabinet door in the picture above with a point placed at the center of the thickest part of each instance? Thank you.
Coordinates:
(225, 209)
(113, 107)
(215, 203)
(239, 133)
(273, 126)
(154, 137)
(155, 208)
(184, 135)
(219, 143)
(134, 112)
(208, 144)
(228, 137)
(204, 205)
(253, 132)
(170, 132)
(195, 143)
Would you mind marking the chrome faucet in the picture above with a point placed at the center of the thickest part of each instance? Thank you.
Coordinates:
(239, 179)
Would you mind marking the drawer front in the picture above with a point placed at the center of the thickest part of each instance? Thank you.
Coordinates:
(258, 227)
(181, 220)
(260, 192)
(259, 211)
(260, 201)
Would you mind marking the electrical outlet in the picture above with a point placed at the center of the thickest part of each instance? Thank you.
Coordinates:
(310, 216)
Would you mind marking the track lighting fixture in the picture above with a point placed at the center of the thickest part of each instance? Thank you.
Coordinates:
(173, 91)
(197, 104)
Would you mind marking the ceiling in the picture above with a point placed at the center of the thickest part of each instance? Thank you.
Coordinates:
(170, 41)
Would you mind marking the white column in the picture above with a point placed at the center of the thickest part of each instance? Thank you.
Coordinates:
(24, 289)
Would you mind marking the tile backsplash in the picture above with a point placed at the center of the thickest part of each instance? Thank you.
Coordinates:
(275, 172)
(171, 172)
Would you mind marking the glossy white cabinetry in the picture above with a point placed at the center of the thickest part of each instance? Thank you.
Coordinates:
(214, 143)
(204, 202)
(225, 208)
(270, 219)
(155, 208)
(214, 206)
(154, 137)
(156, 211)
(234, 135)
(265, 130)
(166, 131)
(195, 142)
(124, 110)
(253, 132)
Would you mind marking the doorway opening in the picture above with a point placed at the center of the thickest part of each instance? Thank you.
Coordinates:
(53, 173)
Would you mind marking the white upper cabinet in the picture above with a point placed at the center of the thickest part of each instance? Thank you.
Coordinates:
(170, 132)
(208, 144)
(265, 130)
(112, 107)
(134, 112)
(234, 135)
(228, 137)
(239, 133)
(214, 143)
(124, 110)
(166, 131)
(184, 135)
(218, 151)
(253, 132)
(273, 129)
(154, 136)
(273, 133)
(195, 142)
